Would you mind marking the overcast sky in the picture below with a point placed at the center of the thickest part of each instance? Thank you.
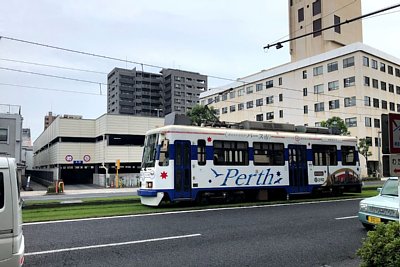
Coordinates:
(223, 38)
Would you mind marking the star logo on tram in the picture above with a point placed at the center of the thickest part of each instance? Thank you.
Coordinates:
(164, 175)
(209, 139)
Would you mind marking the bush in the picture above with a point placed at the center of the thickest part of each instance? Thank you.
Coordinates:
(382, 246)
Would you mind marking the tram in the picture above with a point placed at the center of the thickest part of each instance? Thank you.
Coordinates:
(256, 160)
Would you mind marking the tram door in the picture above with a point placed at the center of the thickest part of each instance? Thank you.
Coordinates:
(298, 171)
(182, 169)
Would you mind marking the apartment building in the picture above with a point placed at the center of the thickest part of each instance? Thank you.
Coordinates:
(141, 93)
(330, 75)
(76, 150)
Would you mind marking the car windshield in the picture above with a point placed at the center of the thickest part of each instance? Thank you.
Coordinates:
(390, 188)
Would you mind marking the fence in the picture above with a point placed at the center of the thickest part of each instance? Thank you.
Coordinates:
(124, 179)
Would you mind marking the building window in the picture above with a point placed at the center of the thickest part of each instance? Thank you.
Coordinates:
(383, 86)
(216, 99)
(249, 90)
(375, 83)
(224, 96)
(3, 135)
(390, 70)
(398, 107)
(304, 91)
(398, 90)
(332, 66)
(351, 122)
(259, 117)
(383, 67)
(317, 26)
(281, 113)
(300, 15)
(319, 107)
(391, 106)
(269, 116)
(334, 104)
(366, 81)
(391, 88)
(259, 87)
(368, 122)
(240, 106)
(306, 109)
(375, 103)
(318, 89)
(304, 74)
(367, 101)
(316, 7)
(374, 64)
(224, 110)
(280, 97)
(333, 85)
(318, 71)
(368, 140)
(348, 62)
(232, 108)
(249, 104)
(232, 94)
(397, 71)
(269, 84)
(241, 92)
(259, 102)
(366, 61)
(377, 123)
(351, 81)
(336, 21)
(376, 142)
(280, 81)
(350, 101)
(384, 104)
(269, 100)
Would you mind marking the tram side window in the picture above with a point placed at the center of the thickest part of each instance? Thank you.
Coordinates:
(231, 153)
(348, 155)
(324, 155)
(1, 190)
(201, 152)
(268, 154)
(164, 153)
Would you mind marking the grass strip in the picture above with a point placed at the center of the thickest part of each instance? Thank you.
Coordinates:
(35, 211)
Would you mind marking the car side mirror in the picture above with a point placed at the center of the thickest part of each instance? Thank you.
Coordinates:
(379, 189)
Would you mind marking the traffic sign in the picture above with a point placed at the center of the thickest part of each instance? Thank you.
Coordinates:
(391, 163)
(394, 132)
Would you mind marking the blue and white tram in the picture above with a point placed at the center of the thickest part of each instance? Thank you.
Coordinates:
(195, 163)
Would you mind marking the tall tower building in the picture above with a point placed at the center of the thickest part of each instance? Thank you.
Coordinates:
(306, 16)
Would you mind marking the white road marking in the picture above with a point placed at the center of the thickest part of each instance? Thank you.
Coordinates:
(190, 211)
(345, 218)
(110, 245)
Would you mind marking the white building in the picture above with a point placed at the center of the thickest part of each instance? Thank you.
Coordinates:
(79, 150)
(331, 74)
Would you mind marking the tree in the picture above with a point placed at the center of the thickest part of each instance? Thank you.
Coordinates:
(363, 149)
(200, 114)
(336, 122)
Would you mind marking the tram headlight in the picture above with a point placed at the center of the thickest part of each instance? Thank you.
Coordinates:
(149, 184)
(363, 207)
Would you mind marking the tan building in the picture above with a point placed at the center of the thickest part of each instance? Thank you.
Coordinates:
(76, 150)
(330, 75)
(307, 16)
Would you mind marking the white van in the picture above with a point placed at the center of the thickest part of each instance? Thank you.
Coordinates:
(12, 245)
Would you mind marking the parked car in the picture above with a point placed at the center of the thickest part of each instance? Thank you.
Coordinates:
(381, 208)
(12, 245)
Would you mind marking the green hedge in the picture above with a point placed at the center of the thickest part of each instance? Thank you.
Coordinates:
(382, 246)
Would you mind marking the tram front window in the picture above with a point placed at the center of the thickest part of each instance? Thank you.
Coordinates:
(149, 151)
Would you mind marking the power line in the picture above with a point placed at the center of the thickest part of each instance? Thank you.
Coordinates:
(279, 44)
(53, 76)
(51, 66)
(50, 89)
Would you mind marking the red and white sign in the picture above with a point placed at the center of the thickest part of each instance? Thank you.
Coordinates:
(86, 158)
(394, 132)
(69, 158)
(394, 163)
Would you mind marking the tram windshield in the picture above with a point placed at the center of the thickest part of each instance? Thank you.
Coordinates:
(149, 151)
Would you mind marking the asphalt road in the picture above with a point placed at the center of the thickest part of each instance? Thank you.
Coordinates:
(283, 235)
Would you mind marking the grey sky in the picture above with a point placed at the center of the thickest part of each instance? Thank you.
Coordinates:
(214, 37)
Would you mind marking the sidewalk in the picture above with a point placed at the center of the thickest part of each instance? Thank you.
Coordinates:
(76, 190)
